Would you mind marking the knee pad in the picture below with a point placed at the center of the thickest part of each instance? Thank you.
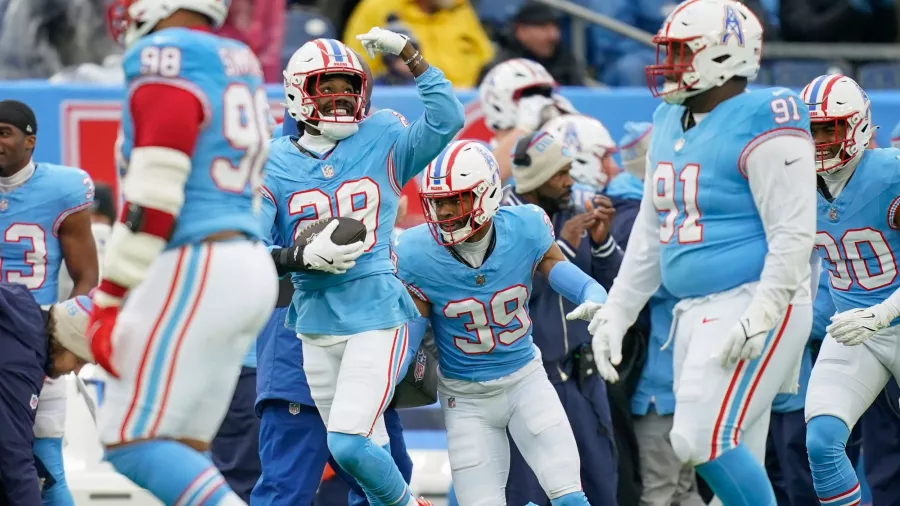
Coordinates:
(347, 449)
(682, 446)
(826, 438)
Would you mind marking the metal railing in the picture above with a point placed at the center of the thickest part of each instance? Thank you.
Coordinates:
(582, 17)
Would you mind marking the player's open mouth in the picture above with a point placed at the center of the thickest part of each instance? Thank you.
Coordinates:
(825, 153)
(453, 226)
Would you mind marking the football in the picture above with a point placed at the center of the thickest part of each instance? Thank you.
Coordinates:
(347, 232)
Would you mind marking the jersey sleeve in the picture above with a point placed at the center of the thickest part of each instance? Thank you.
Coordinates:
(78, 194)
(270, 189)
(540, 229)
(419, 143)
(895, 137)
(778, 112)
(402, 253)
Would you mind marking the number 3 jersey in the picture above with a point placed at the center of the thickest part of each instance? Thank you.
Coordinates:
(30, 217)
(222, 190)
(479, 316)
(856, 235)
(712, 237)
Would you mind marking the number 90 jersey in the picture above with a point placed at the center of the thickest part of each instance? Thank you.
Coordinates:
(856, 235)
(479, 316)
(222, 191)
(711, 233)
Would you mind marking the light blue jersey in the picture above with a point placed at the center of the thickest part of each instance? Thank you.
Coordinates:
(479, 316)
(360, 178)
(895, 137)
(856, 236)
(711, 233)
(30, 217)
(582, 193)
(222, 190)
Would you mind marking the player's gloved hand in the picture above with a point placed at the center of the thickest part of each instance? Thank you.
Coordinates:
(746, 339)
(608, 332)
(857, 326)
(322, 254)
(379, 40)
(530, 112)
(101, 323)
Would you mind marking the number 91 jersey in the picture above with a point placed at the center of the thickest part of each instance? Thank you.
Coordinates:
(856, 235)
(222, 191)
(711, 233)
(479, 316)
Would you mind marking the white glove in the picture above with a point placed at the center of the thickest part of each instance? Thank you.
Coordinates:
(379, 40)
(322, 254)
(608, 332)
(746, 339)
(857, 326)
(530, 112)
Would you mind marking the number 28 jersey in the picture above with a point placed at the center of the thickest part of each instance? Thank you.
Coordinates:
(222, 191)
(479, 316)
(712, 237)
(856, 236)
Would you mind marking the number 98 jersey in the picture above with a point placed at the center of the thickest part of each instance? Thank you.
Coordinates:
(711, 233)
(222, 191)
(479, 316)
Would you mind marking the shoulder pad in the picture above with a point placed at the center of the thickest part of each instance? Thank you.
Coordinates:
(174, 53)
(772, 108)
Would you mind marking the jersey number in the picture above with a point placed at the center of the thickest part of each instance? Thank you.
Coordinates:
(35, 257)
(851, 243)
(358, 199)
(506, 306)
(690, 230)
(161, 61)
(245, 123)
(785, 110)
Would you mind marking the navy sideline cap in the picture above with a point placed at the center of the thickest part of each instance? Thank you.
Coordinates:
(19, 115)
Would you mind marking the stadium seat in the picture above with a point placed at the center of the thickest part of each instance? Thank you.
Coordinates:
(301, 26)
(796, 73)
(879, 76)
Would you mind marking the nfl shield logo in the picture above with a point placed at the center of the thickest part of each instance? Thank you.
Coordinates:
(4, 205)
(419, 372)
(479, 279)
(832, 214)
(451, 402)
(293, 408)
(328, 171)
(34, 401)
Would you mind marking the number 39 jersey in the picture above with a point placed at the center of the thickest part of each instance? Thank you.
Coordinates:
(223, 189)
(30, 217)
(711, 233)
(479, 316)
(856, 235)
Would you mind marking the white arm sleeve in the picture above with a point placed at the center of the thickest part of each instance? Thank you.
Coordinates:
(639, 276)
(785, 197)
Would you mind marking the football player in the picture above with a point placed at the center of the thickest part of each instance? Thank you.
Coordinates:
(517, 97)
(470, 269)
(591, 147)
(186, 243)
(726, 225)
(45, 225)
(859, 193)
(350, 165)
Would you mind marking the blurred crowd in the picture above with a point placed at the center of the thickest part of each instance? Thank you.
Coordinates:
(66, 40)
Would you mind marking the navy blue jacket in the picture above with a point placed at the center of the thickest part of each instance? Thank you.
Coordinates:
(553, 335)
(23, 359)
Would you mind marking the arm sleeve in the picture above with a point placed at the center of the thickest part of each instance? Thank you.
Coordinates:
(639, 276)
(424, 138)
(785, 197)
(156, 126)
(18, 474)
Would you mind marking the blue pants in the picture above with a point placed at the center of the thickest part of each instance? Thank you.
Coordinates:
(293, 450)
(235, 450)
(589, 415)
(786, 461)
(881, 445)
(49, 462)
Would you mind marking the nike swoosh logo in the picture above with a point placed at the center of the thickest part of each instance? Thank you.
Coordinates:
(329, 262)
(707, 320)
(786, 163)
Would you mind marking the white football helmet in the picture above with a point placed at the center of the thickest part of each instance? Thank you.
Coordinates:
(307, 67)
(837, 101)
(460, 191)
(589, 144)
(701, 45)
(509, 81)
(129, 20)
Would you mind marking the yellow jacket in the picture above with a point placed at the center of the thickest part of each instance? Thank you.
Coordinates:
(452, 40)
